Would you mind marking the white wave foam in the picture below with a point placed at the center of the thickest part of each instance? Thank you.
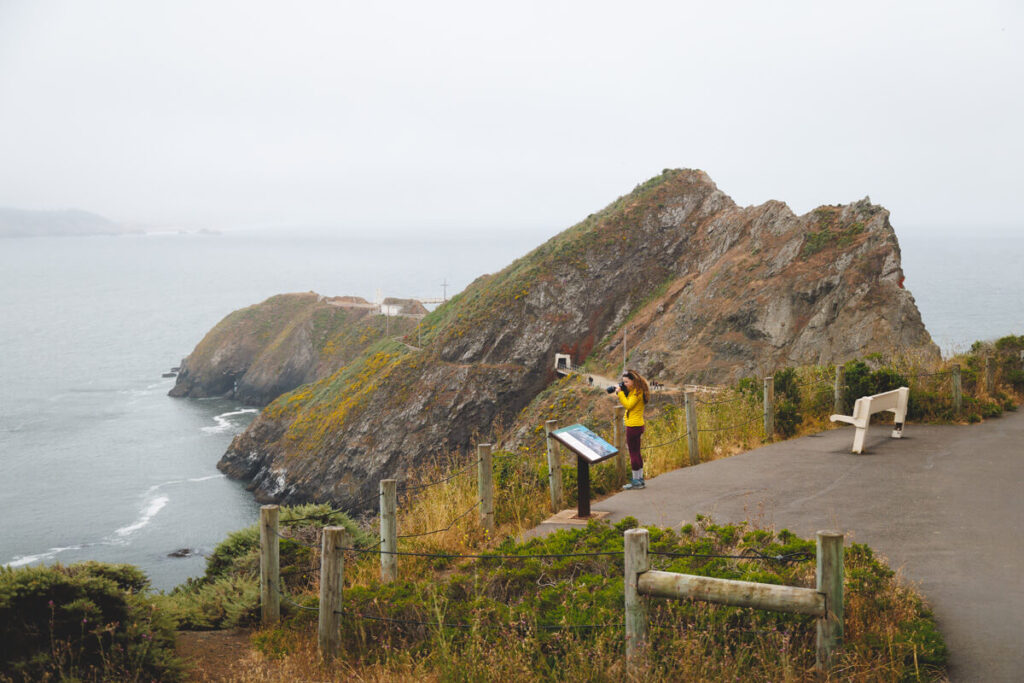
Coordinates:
(153, 505)
(212, 476)
(224, 424)
(23, 560)
(148, 513)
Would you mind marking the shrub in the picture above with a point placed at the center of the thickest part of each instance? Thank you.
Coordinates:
(89, 621)
(787, 418)
(862, 381)
(787, 402)
(227, 594)
(224, 602)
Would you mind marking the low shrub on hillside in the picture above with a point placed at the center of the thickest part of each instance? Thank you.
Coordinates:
(228, 594)
(83, 622)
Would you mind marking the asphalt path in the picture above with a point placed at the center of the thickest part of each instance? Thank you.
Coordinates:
(944, 504)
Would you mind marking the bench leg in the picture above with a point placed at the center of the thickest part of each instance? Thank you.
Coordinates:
(858, 439)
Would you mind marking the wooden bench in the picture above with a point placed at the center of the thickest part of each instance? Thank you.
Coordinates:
(866, 406)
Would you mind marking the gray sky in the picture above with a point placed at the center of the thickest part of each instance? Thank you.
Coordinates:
(475, 115)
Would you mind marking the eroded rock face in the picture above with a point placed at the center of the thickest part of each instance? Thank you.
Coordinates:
(708, 291)
(258, 353)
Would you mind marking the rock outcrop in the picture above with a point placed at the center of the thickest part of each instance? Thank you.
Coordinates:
(258, 353)
(706, 290)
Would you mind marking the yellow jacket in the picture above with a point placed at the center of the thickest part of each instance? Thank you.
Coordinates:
(634, 404)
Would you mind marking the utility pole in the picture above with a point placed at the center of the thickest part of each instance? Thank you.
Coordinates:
(624, 328)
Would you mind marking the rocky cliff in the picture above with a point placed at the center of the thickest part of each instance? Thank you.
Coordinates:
(705, 290)
(258, 353)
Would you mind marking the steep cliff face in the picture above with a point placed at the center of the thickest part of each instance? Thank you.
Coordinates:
(773, 289)
(258, 353)
(707, 290)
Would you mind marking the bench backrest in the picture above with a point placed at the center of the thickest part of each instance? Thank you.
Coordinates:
(888, 400)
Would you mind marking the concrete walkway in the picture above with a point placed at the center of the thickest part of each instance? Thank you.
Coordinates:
(945, 504)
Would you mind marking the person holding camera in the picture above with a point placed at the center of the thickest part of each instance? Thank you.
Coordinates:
(633, 393)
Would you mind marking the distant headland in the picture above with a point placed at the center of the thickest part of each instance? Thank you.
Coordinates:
(63, 223)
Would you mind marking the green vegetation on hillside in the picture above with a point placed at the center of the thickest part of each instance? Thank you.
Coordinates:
(84, 622)
(830, 234)
(561, 617)
(599, 238)
(315, 411)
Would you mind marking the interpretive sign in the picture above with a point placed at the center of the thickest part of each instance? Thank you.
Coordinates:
(589, 449)
(584, 443)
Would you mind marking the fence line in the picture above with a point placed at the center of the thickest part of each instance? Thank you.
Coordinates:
(555, 473)
(648, 581)
(332, 579)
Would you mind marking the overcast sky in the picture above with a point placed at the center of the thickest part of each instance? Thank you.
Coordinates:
(527, 115)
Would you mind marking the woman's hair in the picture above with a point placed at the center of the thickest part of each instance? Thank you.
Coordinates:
(640, 383)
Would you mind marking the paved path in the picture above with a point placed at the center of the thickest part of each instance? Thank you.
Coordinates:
(945, 504)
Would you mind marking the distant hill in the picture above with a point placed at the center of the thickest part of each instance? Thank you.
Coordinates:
(22, 223)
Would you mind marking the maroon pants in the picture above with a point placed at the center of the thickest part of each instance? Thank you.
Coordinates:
(636, 461)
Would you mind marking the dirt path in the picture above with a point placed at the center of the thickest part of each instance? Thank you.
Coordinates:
(945, 504)
(214, 655)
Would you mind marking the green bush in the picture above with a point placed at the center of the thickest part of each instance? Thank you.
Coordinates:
(84, 622)
(224, 602)
(227, 595)
(861, 380)
(787, 417)
(787, 402)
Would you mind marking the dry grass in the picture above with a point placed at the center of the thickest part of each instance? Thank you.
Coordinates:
(689, 641)
(730, 421)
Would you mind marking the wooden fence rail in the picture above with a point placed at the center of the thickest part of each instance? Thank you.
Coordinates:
(824, 602)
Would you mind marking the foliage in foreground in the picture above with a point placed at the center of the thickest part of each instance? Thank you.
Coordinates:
(562, 618)
(84, 622)
(228, 594)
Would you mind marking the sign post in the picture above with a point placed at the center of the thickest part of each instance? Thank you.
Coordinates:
(590, 449)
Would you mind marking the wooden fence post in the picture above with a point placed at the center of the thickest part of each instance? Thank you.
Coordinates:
(388, 530)
(769, 408)
(554, 467)
(958, 390)
(636, 563)
(332, 570)
(829, 575)
(619, 434)
(692, 444)
(990, 375)
(838, 404)
(270, 565)
(485, 487)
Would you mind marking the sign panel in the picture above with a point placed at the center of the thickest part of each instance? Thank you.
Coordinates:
(584, 443)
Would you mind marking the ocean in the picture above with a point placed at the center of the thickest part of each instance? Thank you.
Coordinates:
(99, 463)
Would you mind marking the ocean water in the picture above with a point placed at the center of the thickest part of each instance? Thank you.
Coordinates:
(968, 286)
(98, 463)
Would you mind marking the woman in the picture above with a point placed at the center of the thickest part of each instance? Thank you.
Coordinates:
(633, 393)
